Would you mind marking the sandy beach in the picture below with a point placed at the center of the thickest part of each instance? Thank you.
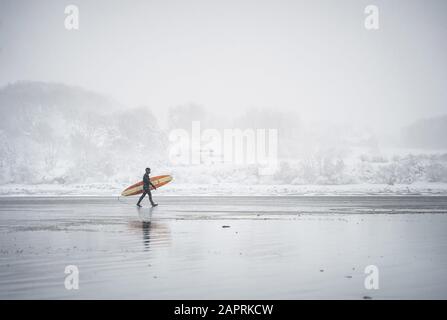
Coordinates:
(291, 247)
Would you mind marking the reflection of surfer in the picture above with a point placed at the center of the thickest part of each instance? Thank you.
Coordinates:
(147, 188)
(146, 234)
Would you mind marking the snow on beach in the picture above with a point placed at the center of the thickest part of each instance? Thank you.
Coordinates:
(228, 189)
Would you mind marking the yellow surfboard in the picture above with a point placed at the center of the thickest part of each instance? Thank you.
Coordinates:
(137, 188)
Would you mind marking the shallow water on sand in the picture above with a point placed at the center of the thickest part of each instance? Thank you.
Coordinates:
(223, 247)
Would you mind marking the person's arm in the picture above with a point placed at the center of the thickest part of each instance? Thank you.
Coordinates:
(152, 185)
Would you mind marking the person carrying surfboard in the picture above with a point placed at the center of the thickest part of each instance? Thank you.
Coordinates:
(147, 188)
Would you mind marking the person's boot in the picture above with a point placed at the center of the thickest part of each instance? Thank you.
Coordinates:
(138, 205)
(154, 204)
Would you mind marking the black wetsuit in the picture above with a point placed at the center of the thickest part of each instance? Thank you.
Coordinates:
(146, 189)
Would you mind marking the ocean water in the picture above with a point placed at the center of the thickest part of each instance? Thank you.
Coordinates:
(224, 247)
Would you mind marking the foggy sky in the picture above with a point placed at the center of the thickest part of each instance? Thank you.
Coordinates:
(313, 57)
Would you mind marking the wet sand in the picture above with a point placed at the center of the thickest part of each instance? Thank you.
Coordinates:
(224, 247)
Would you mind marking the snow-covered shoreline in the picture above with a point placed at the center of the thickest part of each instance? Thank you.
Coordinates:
(229, 189)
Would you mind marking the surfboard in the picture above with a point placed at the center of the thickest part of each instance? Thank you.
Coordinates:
(137, 188)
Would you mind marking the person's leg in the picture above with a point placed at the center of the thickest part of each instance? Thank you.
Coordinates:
(141, 198)
(150, 198)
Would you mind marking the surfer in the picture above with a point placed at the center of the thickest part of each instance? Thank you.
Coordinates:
(147, 188)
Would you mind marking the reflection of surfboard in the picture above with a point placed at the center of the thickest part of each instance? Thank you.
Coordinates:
(137, 188)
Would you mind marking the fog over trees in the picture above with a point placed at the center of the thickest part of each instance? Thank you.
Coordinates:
(55, 133)
(52, 133)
